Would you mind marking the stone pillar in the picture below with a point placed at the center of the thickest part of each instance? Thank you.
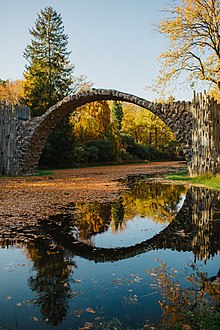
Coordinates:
(11, 120)
(205, 136)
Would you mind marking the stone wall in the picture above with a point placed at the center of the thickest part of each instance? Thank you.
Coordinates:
(205, 136)
(12, 121)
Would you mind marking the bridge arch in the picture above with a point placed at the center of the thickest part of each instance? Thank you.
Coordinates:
(177, 116)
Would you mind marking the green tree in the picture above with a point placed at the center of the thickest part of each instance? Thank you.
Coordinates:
(115, 126)
(116, 114)
(193, 28)
(48, 75)
(48, 79)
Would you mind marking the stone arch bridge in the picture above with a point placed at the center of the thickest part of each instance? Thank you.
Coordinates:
(194, 124)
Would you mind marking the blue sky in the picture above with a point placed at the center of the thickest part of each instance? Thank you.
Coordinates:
(112, 42)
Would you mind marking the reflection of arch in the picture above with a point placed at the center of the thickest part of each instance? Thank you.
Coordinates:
(180, 235)
(177, 116)
(196, 228)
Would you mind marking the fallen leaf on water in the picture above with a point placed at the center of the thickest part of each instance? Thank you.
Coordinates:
(77, 281)
(8, 298)
(88, 325)
(90, 310)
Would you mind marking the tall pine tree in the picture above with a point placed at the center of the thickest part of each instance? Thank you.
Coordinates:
(48, 79)
(115, 126)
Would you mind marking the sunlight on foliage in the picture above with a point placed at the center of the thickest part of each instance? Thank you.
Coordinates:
(192, 27)
(11, 91)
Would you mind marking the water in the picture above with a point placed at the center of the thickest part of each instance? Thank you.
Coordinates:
(97, 263)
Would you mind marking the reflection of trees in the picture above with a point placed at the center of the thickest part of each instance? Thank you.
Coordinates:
(196, 226)
(155, 200)
(147, 199)
(50, 281)
(92, 219)
(117, 215)
(194, 305)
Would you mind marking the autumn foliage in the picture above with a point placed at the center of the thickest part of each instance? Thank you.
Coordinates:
(193, 29)
(11, 91)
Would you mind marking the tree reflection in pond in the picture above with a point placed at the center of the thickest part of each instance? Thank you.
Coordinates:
(53, 264)
(56, 245)
(155, 200)
(145, 199)
(50, 281)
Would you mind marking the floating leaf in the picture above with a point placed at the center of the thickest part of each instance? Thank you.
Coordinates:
(8, 298)
(78, 281)
(90, 310)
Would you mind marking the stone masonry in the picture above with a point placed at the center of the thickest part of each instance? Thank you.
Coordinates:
(22, 138)
(205, 136)
(12, 134)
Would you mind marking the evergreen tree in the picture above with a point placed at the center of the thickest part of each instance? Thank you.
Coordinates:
(117, 114)
(48, 79)
(116, 117)
(48, 75)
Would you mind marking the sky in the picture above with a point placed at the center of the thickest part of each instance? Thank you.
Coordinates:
(112, 42)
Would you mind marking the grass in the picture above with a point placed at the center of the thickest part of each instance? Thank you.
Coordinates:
(210, 181)
(38, 173)
(43, 172)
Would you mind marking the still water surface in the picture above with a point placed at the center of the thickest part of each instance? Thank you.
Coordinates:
(94, 264)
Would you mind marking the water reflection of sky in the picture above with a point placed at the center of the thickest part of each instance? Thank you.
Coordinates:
(135, 231)
(91, 293)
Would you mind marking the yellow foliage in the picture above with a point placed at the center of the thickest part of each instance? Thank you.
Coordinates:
(91, 120)
(11, 91)
(215, 93)
(145, 127)
(193, 28)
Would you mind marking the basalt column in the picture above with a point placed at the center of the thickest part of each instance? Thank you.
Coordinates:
(205, 136)
(12, 121)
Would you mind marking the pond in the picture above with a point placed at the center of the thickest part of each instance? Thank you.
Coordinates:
(95, 263)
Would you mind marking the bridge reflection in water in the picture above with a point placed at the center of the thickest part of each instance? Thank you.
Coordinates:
(186, 220)
(194, 227)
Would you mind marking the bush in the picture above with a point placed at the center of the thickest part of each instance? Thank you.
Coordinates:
(79, 154)
(93, 151)
(104, 149)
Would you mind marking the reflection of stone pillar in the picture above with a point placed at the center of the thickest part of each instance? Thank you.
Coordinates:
(205, 210)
